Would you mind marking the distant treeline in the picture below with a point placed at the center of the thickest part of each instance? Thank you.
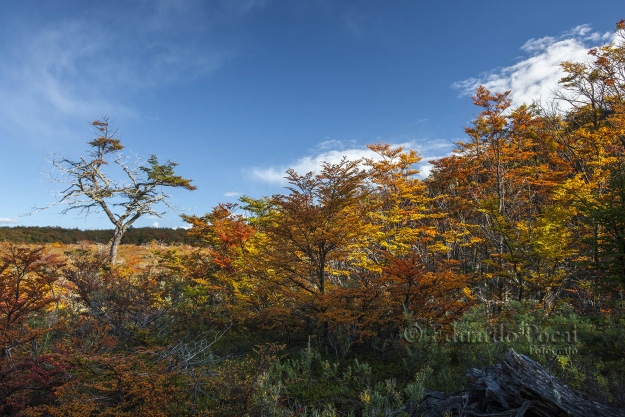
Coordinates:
(136, 236)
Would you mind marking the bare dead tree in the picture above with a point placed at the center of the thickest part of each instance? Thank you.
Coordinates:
(517, 387)
(90, 189)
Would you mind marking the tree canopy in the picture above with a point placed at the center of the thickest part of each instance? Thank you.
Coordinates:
(134, 191)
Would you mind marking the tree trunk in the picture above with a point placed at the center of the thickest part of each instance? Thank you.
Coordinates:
(117, 238)
(518, 387)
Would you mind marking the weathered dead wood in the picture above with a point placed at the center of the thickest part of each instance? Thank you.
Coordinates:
(518, 387)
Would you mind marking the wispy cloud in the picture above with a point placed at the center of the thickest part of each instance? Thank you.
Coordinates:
(94, 63)
(8, 220)
(333, 151)
(231, 194)
(242, 6)
(42, 82)
(536, 75)
(355, 21)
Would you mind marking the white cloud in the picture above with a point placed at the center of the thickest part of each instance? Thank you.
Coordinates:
(428, 150)
(311, 163)
(155, 224)
(536, 76)
(8, 220)
(231, 194)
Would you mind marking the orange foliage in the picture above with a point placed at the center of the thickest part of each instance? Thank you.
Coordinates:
(27, 275)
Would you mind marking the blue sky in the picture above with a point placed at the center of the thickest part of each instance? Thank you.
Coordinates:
(237, 91)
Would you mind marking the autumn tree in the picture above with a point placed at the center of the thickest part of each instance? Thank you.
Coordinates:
(608, 211)
(91, 188)
(27, 275)
(229, 278)
(502, 218)
(122, 385)
(586, 125)
(401, 200)
(223, 231)
(408, 250)
(317, 229)
(216, 271)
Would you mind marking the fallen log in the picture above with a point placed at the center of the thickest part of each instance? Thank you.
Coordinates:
(518, 387)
